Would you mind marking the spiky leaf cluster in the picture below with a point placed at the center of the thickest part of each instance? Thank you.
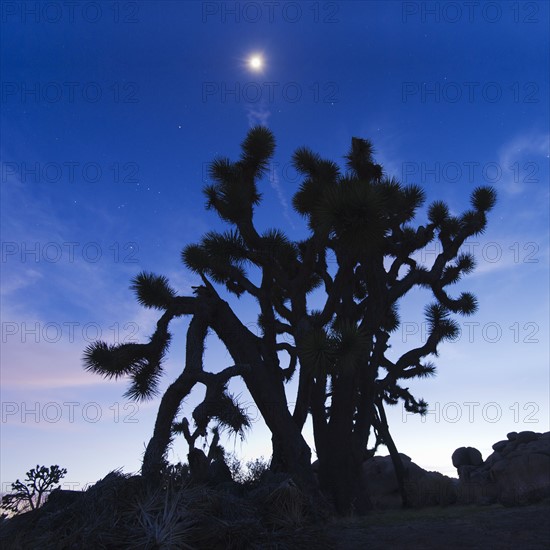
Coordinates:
(338, 349)
(225, 408)
(439, 322)
(142, 363)
(221, 256)
(234, 192)
(153, 291)
(358, 209)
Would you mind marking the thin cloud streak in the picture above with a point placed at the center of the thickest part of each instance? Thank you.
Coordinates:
(518, 160)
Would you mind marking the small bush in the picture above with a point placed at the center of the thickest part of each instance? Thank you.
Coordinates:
(249, 474)
(175, 475)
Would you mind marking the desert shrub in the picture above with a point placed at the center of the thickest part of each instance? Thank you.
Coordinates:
(175, 475)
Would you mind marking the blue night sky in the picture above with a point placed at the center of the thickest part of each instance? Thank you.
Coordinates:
(111, 112)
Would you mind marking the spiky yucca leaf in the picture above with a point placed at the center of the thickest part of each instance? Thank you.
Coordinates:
(466, 262)
(274, 241)
(421, 370)
(448, 329)
(414, 196)
(467, 303)
(352, 212)
(220, 259)
(451, 226)
(408, 238)
(231, 415)
(435, 312)
(153, 291)
(438, 320)
(391, 189)
(351, 345)
(359, 160)
(392, 320)
(257, 149)
(221, 170)
(277, 246)
(228, 246)
(438, 212)
(305, 161)
(142, 362)
(398, 204)
(145, 381)
(418, 407)
(483, 198)
(427, 370)
(112, 361)
(451, 275)
(234, 193)
(474, 221)
(314, 282)
(146, 377)
(327, 172)
(317, 352)
(306, 198)
(181, 427)
(195, 258)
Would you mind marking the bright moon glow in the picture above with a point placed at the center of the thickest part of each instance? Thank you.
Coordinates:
(256, 62)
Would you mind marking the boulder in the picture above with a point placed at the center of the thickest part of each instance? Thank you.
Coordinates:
(518, 472)
(522, 479)
(527, 436)
(423, 488)
(500, 445)
(466, 456)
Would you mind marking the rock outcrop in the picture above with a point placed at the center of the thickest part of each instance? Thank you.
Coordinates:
(516, 473)
(423, 488)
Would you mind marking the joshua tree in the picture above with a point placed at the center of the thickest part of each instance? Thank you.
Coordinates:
(29, 495)
(338, 350)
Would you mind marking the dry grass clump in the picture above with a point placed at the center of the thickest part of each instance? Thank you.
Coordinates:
(286, 506)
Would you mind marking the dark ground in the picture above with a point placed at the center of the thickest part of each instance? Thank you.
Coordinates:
(491, 527)
(471, 527)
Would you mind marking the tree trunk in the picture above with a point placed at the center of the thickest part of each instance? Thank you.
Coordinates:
(169, 406)
(265, 384)
(174, 395)
(291, 452)
(339, 463)
(337, 477)
(400, 473)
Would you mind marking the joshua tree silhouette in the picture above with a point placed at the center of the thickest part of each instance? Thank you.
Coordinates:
(338, 352)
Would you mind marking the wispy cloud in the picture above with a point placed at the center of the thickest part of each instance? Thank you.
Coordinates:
(520, 159)
(55, 301)
(275, 183)
(259, 115)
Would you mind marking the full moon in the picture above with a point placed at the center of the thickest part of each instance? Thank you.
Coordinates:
(256, 62)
